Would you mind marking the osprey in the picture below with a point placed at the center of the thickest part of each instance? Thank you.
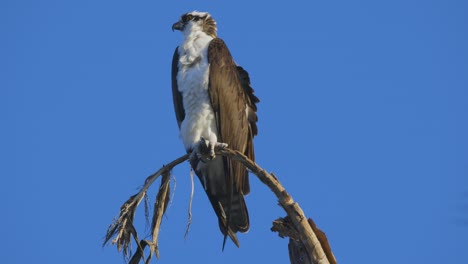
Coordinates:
(214, 106)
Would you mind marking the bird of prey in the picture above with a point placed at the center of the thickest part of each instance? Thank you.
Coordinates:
(215, 106)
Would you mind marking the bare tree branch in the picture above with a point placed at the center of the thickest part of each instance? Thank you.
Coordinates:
(306, 234)
(122, 227)
(309, 244)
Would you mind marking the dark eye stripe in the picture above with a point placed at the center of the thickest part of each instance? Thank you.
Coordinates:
(186, 18)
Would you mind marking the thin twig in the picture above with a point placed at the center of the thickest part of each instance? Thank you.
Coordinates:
(189, 221)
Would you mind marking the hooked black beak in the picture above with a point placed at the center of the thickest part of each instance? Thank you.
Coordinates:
(178, 26)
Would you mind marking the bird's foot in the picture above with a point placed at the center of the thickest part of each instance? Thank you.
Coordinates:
(205, 149)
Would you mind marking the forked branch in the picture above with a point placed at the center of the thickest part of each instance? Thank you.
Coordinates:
(305, 238)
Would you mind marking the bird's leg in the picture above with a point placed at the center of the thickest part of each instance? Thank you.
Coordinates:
(205, 149)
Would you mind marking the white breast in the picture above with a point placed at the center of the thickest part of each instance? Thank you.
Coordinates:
(192, 81)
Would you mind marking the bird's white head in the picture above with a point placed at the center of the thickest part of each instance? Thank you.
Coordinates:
(194, 22)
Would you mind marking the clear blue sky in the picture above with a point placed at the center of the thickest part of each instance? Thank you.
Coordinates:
(363, 117)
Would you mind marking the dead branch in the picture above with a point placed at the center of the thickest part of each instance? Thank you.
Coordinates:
(306, 235)
(309, 244)
(122, 228)
(297, 251)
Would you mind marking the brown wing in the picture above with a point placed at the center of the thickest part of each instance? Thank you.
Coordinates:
(233, 103)
(176, 95)
(252, 118)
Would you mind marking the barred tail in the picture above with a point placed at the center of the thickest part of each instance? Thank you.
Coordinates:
(227, 201)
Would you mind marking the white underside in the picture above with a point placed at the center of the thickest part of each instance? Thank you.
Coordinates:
(192, 80)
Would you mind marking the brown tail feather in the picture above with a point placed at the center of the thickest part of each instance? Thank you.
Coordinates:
(231, 210)
(237, 217)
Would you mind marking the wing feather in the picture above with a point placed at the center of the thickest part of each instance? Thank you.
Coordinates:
(176, 94)
(233, 103)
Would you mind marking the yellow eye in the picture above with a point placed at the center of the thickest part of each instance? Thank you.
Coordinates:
(189, 17)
